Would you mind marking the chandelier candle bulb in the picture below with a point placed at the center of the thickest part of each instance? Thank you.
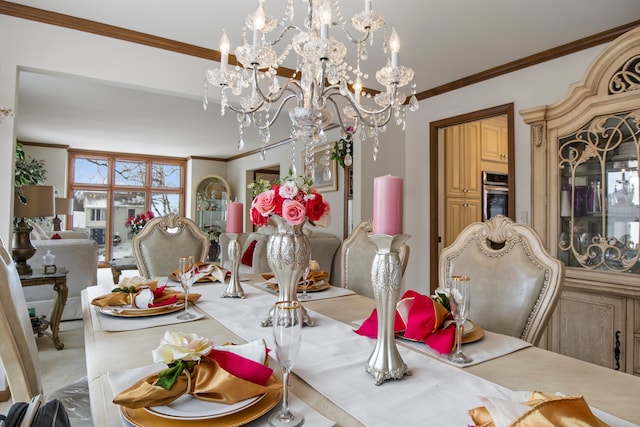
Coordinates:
(326, 21)
(387, 205)
(258, 24)
(224, 51)
(394, 44)
(234, 217)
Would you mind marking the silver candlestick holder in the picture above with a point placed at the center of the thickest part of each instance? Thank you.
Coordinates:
(385, 362)
(234, 290)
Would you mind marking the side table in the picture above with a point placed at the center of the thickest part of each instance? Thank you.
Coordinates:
(59, 281)
(118, 265)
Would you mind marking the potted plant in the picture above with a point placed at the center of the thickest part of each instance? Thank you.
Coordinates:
(29, 171)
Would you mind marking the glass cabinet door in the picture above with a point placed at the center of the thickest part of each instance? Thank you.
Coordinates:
(599, 195)
(213, 194)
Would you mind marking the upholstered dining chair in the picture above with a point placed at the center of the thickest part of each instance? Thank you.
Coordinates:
(163, 240)
(19, 353)
(515, 283)
(356, 258)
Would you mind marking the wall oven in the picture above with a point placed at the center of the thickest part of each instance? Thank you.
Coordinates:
(495, 194)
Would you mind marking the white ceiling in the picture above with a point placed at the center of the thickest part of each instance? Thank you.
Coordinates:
(442, 40)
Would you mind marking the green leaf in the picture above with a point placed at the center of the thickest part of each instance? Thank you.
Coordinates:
(168, 377)
(126, 289)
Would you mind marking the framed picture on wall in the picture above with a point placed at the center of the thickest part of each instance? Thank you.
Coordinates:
(320, 159)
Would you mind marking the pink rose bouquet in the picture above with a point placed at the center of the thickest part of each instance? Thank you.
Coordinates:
(294, 199)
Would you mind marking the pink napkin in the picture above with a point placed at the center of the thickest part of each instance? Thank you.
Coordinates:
(242, 367)
(419, 318)
(171, 300)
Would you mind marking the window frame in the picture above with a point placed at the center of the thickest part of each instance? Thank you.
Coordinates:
(111, 188)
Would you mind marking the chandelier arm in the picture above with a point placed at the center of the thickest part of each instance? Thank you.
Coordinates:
(354, 103)
(250, 111)
(350, 37)
(277, 113)
(286, 88)
(359, 110)
(283, 32)
(336, 108)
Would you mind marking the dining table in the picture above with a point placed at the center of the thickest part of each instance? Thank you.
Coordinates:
(330, 384)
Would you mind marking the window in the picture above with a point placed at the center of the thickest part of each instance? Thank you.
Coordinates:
(98, 214)
(111, 188)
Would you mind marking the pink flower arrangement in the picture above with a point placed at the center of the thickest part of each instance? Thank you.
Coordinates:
(293, 199)
(137, 223)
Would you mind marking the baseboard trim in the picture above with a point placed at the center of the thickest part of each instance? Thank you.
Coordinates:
(5, 395)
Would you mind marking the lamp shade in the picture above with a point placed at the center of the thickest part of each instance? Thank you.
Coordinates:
(40, 202)
(64, 206)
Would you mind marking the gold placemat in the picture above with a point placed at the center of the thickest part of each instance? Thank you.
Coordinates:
(142, 418)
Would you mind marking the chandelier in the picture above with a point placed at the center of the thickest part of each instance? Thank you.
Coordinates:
(324, 91)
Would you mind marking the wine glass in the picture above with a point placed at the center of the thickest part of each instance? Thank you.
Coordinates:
(287, 328)
(186, 274)
(305, 282)
(312, 266)
(459, 301)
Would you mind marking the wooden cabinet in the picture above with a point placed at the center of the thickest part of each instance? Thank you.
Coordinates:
(495, 146)
(590, 325)
(586, 208)
(463, 181)
(460, 213)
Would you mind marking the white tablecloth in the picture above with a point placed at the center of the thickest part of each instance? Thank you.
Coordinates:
(332, 360)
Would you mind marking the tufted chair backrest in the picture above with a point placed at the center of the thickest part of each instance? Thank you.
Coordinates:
(163, 240)
(515, 283)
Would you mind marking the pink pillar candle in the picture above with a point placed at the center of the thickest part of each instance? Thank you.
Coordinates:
(387, 205)
(235, 223)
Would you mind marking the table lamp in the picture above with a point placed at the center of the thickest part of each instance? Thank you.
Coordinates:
(39, 203)
(64, 206)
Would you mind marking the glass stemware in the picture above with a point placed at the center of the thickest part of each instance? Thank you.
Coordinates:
(305, 284)
(459, 300)
(287, 330)
(186, 274)
(312, 266)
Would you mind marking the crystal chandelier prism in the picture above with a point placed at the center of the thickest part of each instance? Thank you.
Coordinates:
(324, 91)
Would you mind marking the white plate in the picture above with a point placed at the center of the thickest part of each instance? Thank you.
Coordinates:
(187, 407)
(468, 327)
(141, 312)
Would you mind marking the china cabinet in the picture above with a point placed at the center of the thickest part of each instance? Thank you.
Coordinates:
(212, 195)
(585, 206)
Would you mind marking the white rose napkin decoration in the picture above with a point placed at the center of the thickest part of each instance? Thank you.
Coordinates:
(225, 374)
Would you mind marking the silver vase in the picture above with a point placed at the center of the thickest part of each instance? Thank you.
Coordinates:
(234, 289)
(385, 361)
(288, 252)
